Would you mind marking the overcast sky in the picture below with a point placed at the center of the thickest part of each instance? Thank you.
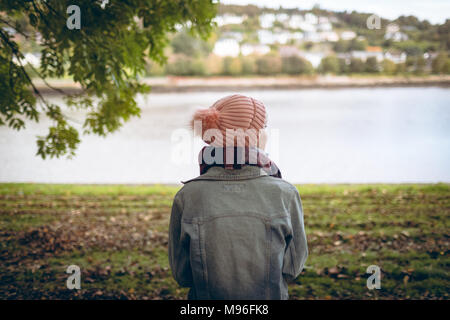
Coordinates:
(435, 11)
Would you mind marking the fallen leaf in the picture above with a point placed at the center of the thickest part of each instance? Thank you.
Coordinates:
(333, 270)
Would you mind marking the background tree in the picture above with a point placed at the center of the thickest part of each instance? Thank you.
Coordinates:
(344, 67)
(268, 65)
(388, 67)
(341, 46)
(249, 10)
(359, 45)
(185, 43)
(444, 34)
(296, 65)
(356, 65)
(251, 24)
(420, 65)
(105, 57)
(372, 65)
(249, 65)
(182, 65)
(441, 64)
(329, 64)
(232, 66)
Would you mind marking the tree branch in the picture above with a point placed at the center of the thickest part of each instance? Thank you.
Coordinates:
(15, 29)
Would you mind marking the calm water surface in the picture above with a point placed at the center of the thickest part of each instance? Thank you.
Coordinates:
(359, 135)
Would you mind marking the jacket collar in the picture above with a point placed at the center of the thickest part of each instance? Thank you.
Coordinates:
(221, 174)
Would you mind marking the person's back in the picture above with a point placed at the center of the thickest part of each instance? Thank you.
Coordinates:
(237, 233)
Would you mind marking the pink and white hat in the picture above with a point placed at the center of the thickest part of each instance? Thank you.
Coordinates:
(230, 118)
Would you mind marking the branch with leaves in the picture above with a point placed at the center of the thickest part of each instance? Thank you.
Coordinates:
(105, 57)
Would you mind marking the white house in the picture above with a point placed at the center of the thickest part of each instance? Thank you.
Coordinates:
(314, 57)
(345, 56)
(398, 36)
(329, 36)
(233, 35)
(311, 18)
(283, 18)
(393, 33)
(324, 24)
(363, 55)
(307, 26)
(347, 35)
(282, 37)
(296, 21)
(311, 36)
(226, 48)
(297, 36)
(33, 59)
(334, 19)
(266, 20)
(266, 37)
(229, 19)
(396, 57)
(288, 51)
(392, 28)
(259, 49)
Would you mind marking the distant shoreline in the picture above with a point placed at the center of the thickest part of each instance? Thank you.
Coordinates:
(196, 84)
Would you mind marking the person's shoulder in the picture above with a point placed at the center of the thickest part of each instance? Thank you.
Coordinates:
(285, 186)
(181, 194)
(188, 187)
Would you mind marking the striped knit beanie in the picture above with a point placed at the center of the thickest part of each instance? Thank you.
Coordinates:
(228, 115)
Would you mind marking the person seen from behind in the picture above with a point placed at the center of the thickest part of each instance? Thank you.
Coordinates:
(236, 231)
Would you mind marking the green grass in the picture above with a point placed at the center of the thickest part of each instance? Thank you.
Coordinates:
(79, 190)
(117, 234)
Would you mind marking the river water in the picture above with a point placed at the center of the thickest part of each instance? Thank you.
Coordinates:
(355, 135)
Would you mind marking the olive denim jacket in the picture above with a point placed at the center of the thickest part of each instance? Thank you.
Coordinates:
(237, 234)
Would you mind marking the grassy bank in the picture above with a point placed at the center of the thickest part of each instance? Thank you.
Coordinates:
(118, 237)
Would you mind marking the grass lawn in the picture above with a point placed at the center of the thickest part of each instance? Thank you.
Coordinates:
(117, 235)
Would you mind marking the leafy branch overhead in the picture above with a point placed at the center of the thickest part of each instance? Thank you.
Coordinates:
(105, 57)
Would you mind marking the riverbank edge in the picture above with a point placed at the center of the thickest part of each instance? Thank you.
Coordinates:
(198, 84)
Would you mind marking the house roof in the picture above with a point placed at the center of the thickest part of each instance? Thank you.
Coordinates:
(374, 49)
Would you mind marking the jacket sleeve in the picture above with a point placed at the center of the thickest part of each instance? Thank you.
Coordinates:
(179, 247)
(296, 249)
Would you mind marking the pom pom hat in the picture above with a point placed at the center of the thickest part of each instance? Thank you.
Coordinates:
(230, 118)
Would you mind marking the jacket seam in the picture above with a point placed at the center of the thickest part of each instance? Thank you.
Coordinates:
(292, 260)
(202, 259)
(268, 258)
(253, 215)
(292, 242)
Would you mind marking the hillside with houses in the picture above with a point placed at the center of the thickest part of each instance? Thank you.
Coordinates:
(252, 40)
(248, 40)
